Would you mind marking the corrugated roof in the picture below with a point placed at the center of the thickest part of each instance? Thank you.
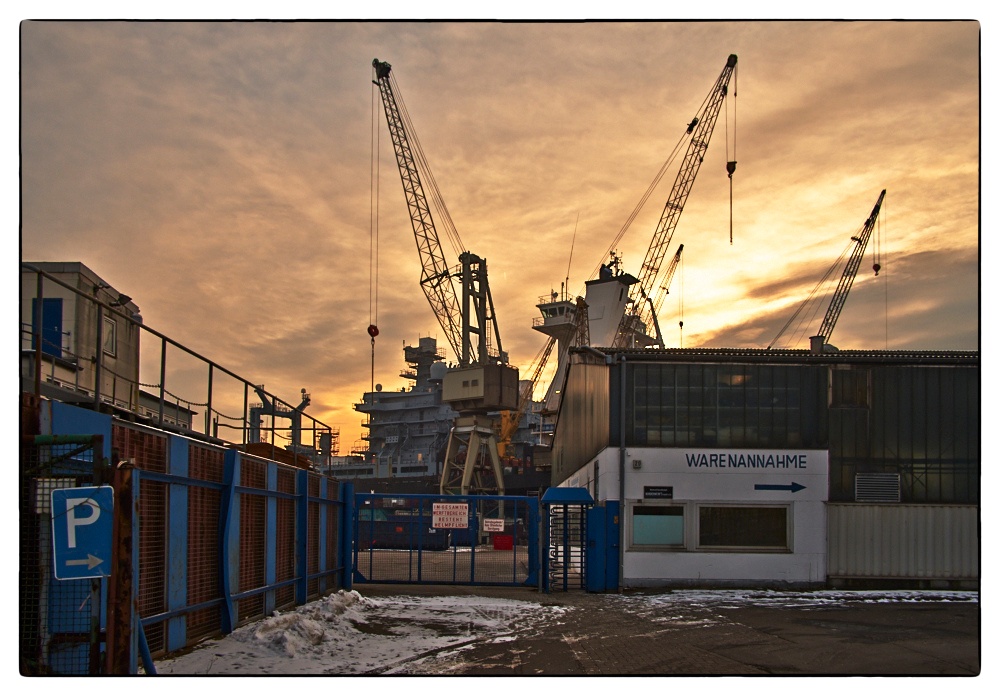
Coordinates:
(762, 355)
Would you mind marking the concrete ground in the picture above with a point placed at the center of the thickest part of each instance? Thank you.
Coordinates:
(625, 634)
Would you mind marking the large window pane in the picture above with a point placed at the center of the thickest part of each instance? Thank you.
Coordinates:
(747, 527)
(658, 525)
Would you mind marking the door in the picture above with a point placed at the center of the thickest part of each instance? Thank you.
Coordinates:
(603, 546)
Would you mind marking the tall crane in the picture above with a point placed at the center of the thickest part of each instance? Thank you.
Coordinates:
(473, 314)
(847, 279)
(667, 279)
(483, 382)
(700, 129)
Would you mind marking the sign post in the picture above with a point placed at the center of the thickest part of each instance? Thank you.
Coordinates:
(81, 532)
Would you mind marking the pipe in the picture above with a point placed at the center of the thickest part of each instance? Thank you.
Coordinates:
(621, 479)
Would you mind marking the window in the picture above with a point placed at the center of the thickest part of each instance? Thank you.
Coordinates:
(658, 525)
(756, 527)
(110, 336)
(849, 388)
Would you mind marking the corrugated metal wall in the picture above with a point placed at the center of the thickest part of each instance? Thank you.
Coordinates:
(903, 541)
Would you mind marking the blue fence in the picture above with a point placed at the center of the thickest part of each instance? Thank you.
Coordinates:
(446, 539)
(219, 538)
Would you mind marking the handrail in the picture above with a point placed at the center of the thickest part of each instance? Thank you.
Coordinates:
(212, 366)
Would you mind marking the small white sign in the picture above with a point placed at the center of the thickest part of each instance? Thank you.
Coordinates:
(450, 515)
(493, 525)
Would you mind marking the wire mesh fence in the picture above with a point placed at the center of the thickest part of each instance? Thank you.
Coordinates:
(203, 512)
(467, 540)
(60, 624)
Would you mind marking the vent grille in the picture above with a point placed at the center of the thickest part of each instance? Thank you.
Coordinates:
(876, 488)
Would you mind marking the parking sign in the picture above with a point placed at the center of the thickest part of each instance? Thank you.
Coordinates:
(81, 532)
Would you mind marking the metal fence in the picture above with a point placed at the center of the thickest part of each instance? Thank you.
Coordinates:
(217, 538)
(447, 540)
(60, 620)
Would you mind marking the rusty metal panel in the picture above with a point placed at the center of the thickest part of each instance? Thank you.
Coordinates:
(203, 559)
(932, 542)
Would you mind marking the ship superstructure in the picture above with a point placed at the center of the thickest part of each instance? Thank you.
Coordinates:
(407, 429)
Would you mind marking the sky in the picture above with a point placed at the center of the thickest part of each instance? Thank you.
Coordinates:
(349, 633)
(237, 179)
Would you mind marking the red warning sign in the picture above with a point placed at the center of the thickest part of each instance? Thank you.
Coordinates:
(450, 515)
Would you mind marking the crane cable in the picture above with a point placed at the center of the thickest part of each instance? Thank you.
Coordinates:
(424, 166)
(730, 166)
(680, 302)
(373, 234)
(731, 163)
(642, 201)
(811, 300)
(877, 266)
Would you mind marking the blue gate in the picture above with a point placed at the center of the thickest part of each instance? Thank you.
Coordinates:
(446, 539)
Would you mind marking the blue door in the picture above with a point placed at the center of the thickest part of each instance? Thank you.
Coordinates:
(603, 547)
(52, 323)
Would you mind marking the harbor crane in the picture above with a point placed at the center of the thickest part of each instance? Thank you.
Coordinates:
(483, 382)
(820, 340)
(700, 129)
(667, 279)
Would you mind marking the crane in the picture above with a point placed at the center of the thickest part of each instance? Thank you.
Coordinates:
(667, 279)
(483, 382)
(436, 278)
(847, 279)
(843, 287)
(700, 129)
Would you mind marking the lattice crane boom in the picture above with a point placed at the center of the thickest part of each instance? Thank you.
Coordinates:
(435, 278)
(700, 129)
(850, 272)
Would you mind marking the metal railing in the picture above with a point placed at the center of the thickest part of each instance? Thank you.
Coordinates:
(166, 396)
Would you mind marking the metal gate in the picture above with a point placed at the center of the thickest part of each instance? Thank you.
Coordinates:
(446, 539)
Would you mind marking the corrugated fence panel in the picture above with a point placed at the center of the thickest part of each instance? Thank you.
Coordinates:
(903, 541)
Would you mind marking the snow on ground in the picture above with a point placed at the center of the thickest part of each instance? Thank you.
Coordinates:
(349, 634)
(687, 608)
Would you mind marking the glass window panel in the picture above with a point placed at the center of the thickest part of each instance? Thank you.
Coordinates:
(658, 525)
(746, 527)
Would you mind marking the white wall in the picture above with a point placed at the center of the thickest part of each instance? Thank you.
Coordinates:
(704, 476)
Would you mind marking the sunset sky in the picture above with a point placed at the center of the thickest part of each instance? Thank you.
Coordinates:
(221, 174)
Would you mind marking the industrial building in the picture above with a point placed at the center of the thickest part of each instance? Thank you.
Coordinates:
(791, 467)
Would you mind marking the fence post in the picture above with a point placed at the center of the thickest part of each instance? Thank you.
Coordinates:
(322, 538)
(346, 541)
(302, 539)
(229, 546)
(177, 541)
(122, 581)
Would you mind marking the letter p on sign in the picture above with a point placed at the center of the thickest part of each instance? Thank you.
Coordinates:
(79, 513)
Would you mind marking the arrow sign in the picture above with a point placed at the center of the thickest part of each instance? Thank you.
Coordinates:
(91, 561)
(792, 487)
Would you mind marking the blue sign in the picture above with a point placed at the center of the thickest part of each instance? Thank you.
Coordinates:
(81, 531)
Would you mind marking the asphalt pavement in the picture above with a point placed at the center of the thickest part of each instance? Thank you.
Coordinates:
(767, 633)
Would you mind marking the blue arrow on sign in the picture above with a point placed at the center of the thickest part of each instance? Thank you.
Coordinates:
(793, 487)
